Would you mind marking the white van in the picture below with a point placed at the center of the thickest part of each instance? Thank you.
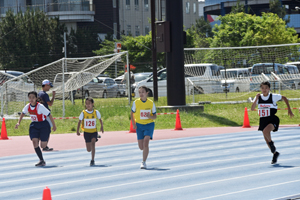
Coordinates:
(235, 79)
(197, 73)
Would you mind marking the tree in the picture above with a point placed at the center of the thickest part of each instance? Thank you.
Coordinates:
(198, 34)
(139, 48)
(238, 7)
(83, 41)
(29, 38)
(277, 8)
(243, 29)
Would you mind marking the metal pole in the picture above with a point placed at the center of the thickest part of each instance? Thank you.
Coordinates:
(154, 56)
(63, 85)
(175, 58)
(128, 79)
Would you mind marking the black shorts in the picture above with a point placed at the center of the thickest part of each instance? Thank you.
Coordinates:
(265, 121)
(40, 130)
(89, 136)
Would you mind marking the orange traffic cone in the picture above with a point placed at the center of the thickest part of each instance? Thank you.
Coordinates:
(178, 123)
(3, 131)
(131, 128)
(47, 194)
(246, 119)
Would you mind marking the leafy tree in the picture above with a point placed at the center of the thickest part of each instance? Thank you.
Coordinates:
(250, 30)
(198, 34)
(139, 49)
(238, 7)
(83, 41)
(277, 8)
(29, 38)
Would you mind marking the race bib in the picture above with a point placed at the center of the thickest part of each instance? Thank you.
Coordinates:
(264, 112)
(89, 123)
(143, 114)
(34, 118)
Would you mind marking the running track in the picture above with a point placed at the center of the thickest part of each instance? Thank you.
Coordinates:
(221, 166)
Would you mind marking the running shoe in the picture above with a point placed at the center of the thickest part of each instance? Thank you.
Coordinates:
(92, 163)
(143, 165)
(40, 164)
(47, 149)
(275, 156)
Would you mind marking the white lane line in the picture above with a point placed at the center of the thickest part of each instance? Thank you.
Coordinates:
(156, 179)
(289, 196)
(251, 189)
(122, 166)
(170, 189)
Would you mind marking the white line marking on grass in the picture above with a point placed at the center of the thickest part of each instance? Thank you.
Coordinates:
(156, 179)
(251, 189)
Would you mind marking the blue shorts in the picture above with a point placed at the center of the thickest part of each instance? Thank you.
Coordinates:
(143, 130)
(40, 130)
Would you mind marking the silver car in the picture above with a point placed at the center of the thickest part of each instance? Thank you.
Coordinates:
(101, 87)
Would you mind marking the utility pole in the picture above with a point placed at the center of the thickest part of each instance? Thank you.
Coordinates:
(175, 57)
(154, 54)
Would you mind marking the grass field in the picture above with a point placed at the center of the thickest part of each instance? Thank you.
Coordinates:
(116, 113)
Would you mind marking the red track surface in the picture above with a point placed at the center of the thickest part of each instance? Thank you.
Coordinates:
(18, 145)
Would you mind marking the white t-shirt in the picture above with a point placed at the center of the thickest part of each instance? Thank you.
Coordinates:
(275, 97)
(90, 112)
(133, 108)
(41, 109)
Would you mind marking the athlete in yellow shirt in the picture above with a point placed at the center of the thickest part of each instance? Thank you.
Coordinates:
(87, 120)
(143, 114)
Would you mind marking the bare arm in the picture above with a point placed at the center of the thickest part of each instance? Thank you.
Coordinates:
(20, 119)
(132, 120)
(50, 103)
(78, 126)
(101, 122)
(151, 117)
(53, 123)
(255, 102)
(290, 113)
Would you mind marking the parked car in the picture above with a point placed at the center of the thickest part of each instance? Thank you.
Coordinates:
(197, 73)
(292, 69)
(235, 80)
(267, 68)
(101, 87)
(137, 78)
(297, 64)
(16, 87)
(77, 80)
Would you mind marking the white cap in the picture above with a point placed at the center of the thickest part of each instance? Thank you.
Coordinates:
(47, 82)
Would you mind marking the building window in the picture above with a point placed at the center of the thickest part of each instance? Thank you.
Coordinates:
(195, 8)
(187, 7)
(147, 30)
(128, 4)
(146, 5)
(137, 30)
(128, 32)
(136, 4)
(114, 3)
(115, 30)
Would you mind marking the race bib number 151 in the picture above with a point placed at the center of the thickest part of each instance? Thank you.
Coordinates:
(264, 112)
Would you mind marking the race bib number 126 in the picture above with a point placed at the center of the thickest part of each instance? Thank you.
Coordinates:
(89, 123)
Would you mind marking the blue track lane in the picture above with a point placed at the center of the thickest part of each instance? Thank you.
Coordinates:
(225, 166)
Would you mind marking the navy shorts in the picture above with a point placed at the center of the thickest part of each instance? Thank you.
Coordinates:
(265, 121)
(40, 130)
(143, 130)
(89, 136)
